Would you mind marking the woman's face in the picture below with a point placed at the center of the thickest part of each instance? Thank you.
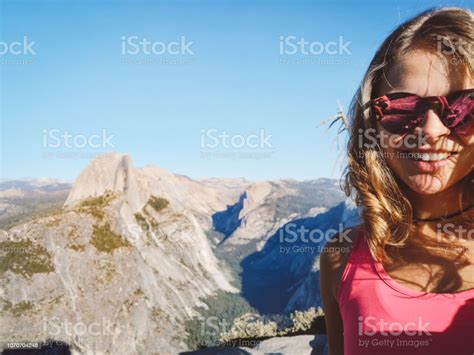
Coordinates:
(425, 74)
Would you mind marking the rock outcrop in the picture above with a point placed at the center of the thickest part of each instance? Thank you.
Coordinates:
(124, 264)
(301, 345)
(132, 253)
(110, 172)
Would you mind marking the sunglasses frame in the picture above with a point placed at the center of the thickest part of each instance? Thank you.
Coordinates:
(439, 103)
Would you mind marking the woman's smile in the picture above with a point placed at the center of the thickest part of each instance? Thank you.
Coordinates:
(428, 160)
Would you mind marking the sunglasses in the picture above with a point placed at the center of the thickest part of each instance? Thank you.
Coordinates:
(402, 112)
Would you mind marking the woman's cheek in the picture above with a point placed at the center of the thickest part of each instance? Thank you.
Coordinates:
(468, 141)
(391, 144)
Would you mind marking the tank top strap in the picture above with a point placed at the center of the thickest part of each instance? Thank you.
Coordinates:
(359, 254)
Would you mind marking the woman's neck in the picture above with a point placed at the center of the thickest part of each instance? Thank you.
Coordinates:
(445, 203)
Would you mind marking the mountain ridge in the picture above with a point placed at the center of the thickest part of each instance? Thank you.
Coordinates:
(183, 240)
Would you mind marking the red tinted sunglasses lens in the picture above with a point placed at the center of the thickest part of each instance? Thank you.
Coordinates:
(398, 113)
(459, 116)
(400, 123)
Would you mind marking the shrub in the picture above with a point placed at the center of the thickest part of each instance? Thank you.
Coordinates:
(223, 308)
(157, 203)
(104, 240)
(18, 309)
(142, 221)
(303, 320)
(99, 201)
(250, 326)
(253, 326)
(24, 258)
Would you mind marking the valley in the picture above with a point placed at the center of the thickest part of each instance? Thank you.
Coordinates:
(157, 255)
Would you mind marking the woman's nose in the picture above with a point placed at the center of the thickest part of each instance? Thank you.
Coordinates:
(432, 128)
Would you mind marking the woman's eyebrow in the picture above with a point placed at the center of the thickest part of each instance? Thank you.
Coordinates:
(391, 92)
(401, 91)
(394, 91)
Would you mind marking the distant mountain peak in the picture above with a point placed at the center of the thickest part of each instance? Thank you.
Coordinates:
(110, 172)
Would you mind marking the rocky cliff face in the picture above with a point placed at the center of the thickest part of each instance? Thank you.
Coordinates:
(283, 276)
(124, 264)
(132, 254)
(269, 205)
(111, 172)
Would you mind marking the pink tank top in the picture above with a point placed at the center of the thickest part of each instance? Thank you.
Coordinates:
(381, 316)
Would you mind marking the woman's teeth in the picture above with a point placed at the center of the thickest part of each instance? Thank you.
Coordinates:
(429, 156)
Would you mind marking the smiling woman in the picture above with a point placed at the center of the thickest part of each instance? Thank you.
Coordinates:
(408, 274)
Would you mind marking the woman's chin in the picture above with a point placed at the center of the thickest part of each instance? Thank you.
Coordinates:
(425, 184)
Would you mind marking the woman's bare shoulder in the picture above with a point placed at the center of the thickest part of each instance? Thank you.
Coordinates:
(335, 254)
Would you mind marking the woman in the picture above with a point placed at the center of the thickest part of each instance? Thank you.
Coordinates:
(403, 282)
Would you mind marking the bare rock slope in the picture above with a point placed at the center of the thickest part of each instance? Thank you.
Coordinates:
(117, 270)
(131, 256)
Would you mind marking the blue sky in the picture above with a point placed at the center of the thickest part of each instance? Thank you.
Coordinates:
(160, 108)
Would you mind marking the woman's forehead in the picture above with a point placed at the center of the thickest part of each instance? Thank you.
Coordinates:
(425, 74)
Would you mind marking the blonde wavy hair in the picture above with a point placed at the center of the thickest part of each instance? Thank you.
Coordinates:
(387, 213)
